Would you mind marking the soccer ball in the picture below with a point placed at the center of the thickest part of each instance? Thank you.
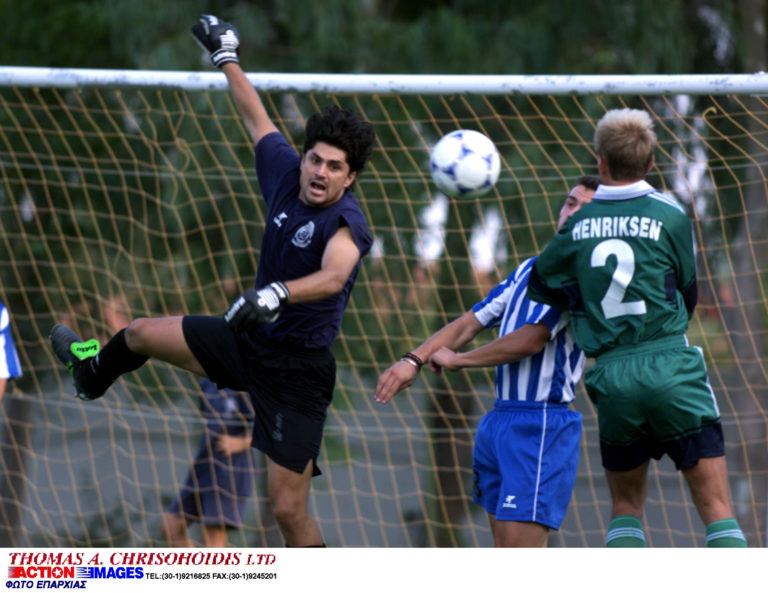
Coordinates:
(465, 163)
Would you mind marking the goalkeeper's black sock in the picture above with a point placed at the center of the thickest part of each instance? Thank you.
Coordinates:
(114, 360)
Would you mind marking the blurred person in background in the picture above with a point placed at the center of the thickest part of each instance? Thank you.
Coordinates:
(10, 367)
(221, 478)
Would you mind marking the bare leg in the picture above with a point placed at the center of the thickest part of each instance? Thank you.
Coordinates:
(708, 482)
(174, 530)
(628, 490)
(518, 534)
(162, 338)
(214, 536)
(289, 494)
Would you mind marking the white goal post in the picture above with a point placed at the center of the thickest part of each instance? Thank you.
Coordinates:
(659, 84)
(127, 193)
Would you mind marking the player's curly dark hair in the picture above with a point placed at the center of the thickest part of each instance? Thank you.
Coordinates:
(342, 129)
(589, 181)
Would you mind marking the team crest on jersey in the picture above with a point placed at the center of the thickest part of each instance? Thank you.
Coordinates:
(303, 236)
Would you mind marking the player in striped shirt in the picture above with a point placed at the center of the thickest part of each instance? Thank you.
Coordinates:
(10, 368)
(527, 448)
(624, 267)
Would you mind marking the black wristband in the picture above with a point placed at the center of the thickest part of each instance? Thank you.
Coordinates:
(413, 359)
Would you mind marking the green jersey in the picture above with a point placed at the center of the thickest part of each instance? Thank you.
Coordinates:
(624, 266)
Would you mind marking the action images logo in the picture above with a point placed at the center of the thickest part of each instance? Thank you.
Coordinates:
(45, 574)
(103, 572)
(70, 573)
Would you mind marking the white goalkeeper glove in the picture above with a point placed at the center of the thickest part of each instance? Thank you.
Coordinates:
(219, 38)
(256, 307)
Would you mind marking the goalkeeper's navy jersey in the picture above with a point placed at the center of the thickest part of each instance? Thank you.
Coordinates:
(548, 376)
(621, 265)
(295, 237)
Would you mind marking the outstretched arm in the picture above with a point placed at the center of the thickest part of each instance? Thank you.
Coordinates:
(521, 343)
(403, 373)
(248, 103)
(222, 40)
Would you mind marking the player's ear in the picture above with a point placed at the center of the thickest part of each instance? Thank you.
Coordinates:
(650, 165)
(602, 167)
(350, 179)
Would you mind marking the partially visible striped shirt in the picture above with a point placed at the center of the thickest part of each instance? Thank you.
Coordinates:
(10, 367)
(549, 375)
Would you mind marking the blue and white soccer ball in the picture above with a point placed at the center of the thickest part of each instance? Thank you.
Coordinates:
(465, 163)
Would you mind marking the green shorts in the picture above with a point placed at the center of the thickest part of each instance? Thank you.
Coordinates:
(654, 398)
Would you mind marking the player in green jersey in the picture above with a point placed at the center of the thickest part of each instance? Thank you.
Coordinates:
(624, 267)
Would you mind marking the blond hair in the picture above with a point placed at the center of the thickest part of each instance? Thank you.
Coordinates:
(625, 140)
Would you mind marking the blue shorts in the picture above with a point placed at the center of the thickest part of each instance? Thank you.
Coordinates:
(217, 487)
(525, 460)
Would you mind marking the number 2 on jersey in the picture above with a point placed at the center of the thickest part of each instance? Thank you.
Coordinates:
(612, 302)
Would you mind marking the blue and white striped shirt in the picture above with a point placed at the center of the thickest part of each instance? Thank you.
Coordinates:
(10, 368)
(548, 376)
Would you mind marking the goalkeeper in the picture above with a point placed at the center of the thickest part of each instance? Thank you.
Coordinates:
(274, 340)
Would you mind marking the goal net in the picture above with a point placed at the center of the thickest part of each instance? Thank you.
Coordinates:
(131, 194)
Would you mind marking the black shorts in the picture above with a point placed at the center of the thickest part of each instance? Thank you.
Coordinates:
(290, 388)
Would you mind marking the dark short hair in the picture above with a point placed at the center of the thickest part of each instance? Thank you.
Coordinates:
(589, 181)
(342, 129)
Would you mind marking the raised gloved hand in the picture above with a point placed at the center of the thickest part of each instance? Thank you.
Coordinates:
(256, 307)
(221, 39)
